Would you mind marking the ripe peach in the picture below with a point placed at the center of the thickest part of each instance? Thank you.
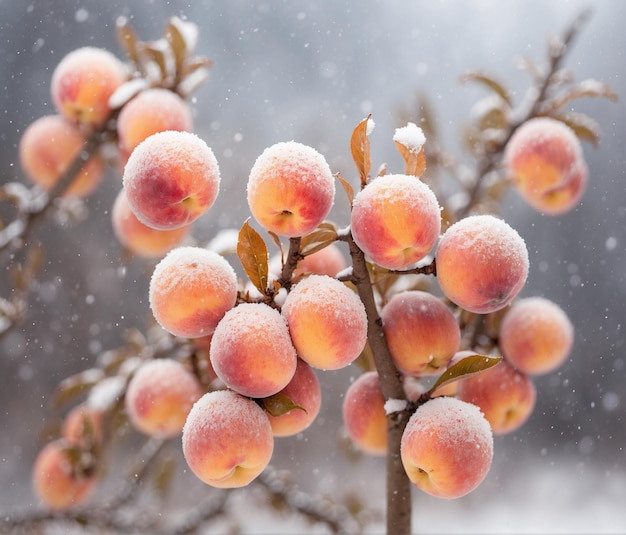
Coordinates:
(536, 336)
(304, 390)
(83, 427)
(251, 351)
(327, 322)
(327, 261)
(191, 289)
(141, 239)
(48, 147)
(82, 83)
(545, 163)
(396, 220)
(447, 447)
(364, 415)
(482, 263)
(505, 395)
(171, 179)
(227, 439)
(291, 189)
(421, 332)
(159, 397)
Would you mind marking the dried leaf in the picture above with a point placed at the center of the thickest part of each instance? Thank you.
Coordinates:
(489, 82)
(347, 188)
(175, 38)
(73, 386)
(464, 368)
(127, 91)
(252, 253)
(164, 477)
(160, 53)
(322, 236)
(128, 40)
(586, 88)
(414, 162)
(360, 148)
(280, 404)
(583, 126)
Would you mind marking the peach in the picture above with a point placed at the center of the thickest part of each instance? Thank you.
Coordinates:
(159, 397)
(327, 261)
(227, 439)
(545, 163)
(48, 147)
(141, 239)
(58, 478)
(482, 263)
(364, 414)
(83, 427)
(536, 336)
(304, 390)
(396, 220)
(251, 351)
(82, 83)
(447, 447)
(421, 332)
(505, 395)
(327, 322)
(191, 289)
(171, 179)
(291, 189)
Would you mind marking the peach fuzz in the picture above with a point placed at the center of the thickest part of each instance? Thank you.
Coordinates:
(396, 220)
(291, 189)
(482, 263)
(421, 332)
(141, 239)
(505, 395)
(304, 390)
(251, 351)
(536, 336)
(191, 289)
(227, 439)
(364, 416)
(83, 427)
(447, 447)
(171, 179)
(58, 480)
(82, 83)
(327, 261)
(327, 322)
(47, 148)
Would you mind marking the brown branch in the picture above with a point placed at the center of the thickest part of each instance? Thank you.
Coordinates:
(293, 257)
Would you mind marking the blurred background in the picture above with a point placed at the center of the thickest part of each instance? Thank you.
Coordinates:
(310, 71)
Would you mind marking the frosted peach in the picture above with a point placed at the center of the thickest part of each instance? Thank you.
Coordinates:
(396, 220)
(47, 148)
(291, 189)
(327, 322)
(421, 332)
(447, 448)
(327, 261)
(82, 83)
(227, 439)
(482, 263)
(251, 351)
(171, 179)
(536, 336)
(83, 427)
(364, 417)
(191, 289)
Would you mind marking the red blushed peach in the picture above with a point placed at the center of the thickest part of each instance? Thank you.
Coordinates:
(47, 148)
(482, 263)
(227, 439)
(82, 83)
(327, 322)
(505, 395)
(447, 448)
(421, 332)
(396, 220)
(159, 397)
(191, 289)
(251, 351)
(327, 261)
(536, 336)
(83, 427)
(171, 179)
(305, 391)
(291, 189)
(364, 415)
(141, 239)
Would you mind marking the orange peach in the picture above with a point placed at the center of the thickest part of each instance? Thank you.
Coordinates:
(83, 427)
(327, 322)
(327, 261)
(482, 263)
(171, 179)
(291, 189)
(421, 332)
(447, 447)
(396, 220)
(227, 439)
(191, 289)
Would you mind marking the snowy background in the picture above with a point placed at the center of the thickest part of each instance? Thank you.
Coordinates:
(310, 71)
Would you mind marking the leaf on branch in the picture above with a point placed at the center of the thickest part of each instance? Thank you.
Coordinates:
(160, 54)
(409, 141)
(360, 148)
(73, 386)
(347, 188)
(322, 236)
(489, 82)
(252, 253)
(280, 404)
(127, 91)
(464, 368)
(128, 40)
(583, 126)
(586, 88)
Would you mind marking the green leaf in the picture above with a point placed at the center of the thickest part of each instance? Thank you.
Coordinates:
(464, 368)
(252, 253)
(489, 82)
(360, 148)
(280, 404)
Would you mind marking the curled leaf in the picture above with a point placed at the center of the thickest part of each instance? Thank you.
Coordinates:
(585, 128)
(360, 148)
(252, 253)
(409, 141)
(464, 368)
(489, 82)
(128, 39)
(280, 404)
(347, 188)
(322, 236)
